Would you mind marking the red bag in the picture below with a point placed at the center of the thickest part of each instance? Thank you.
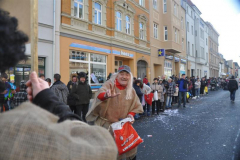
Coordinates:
(126, 137)
(148, 98)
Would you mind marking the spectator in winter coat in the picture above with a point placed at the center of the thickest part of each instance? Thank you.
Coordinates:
(72, 82)
(4, 100)
(197, 87)
(60, 89)
(48, 80)
(156, 102)
(145, 80)
(70, 99)
(232, 87)
(21, 96)
(83, 93)
(145, 89)
(162, 95)
(175, 95)
(193, 88)
(165, 83)
(203, 85)
(137, 89)
(182, 83)
(170, 92)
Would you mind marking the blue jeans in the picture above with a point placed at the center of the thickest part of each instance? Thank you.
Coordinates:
(232, 95)
(169, 101)
(184, 96)
(197, 91)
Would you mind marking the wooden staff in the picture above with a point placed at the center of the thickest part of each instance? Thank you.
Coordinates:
(34, 35)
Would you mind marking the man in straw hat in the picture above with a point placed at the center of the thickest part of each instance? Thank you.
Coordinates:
(116, 100)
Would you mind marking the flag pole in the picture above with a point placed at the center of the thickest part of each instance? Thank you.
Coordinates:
(34, 35)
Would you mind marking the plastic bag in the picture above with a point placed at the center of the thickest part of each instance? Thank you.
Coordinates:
(126, 137)
(155, 97)
(206, 89)
(148, 98)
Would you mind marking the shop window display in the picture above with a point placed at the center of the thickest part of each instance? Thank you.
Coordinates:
(94, 64)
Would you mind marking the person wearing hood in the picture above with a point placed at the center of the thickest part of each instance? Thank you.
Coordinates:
(60, 89)
(83, 93)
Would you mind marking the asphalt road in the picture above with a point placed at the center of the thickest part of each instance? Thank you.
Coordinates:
(207, 129)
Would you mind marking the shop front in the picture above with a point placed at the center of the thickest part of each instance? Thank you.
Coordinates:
(23, 69)
(95, 59)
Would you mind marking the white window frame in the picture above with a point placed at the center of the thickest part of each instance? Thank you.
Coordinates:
(188, 26)
(175, 9)
(164, 6)
(188, 48)
(182, 22)
(192, 29)
(89, 62)
(79, 3)
(155, 4)
(142, 3)
(119, 21)
(192, 49)
(175, 35)
(155, 30)
(168, 68)
(128, 23)
(141, 31)
(165, 33)
(98, 11)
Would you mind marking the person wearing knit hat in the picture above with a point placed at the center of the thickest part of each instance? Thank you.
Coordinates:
(82, 93)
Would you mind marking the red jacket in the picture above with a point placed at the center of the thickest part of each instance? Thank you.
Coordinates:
(145, 80)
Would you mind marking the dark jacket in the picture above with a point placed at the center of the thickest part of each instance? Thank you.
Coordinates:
(193, 82)
(182, 83)
(47, 100)
(82, 92)
(232, 85)
(70, 86)
(165, 83)
(138, 91)
(60, 90)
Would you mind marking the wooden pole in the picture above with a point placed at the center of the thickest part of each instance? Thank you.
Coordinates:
(34, 35)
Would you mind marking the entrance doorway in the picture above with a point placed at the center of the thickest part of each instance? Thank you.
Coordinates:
(141, 69)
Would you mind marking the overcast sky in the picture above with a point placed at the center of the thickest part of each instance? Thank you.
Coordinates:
(224, 15)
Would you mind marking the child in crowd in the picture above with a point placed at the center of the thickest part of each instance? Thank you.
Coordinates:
(175, 95)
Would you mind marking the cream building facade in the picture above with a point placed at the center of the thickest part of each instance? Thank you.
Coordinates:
(167, 31)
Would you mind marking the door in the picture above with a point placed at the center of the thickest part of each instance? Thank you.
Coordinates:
(141, 69)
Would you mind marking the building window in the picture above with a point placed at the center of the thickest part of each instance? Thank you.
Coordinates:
(206, 42)
(168, 68)
(175, 9)
(191, 14)
(182, 22)
(165, 33)
(78, 8)
(176, 35)
(188, 26)
(192, 49)
(188, 51)
(187, 9)
(119, 21)
(164, 6)
(155, 30)
(182, 44)
(155, 4)
(128, 24)
(201, 34)
(192, 29)
(141, 31)
(141, 2)
(98, 13)
(94, 64)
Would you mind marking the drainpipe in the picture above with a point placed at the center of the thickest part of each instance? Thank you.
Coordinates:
(54, 29)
